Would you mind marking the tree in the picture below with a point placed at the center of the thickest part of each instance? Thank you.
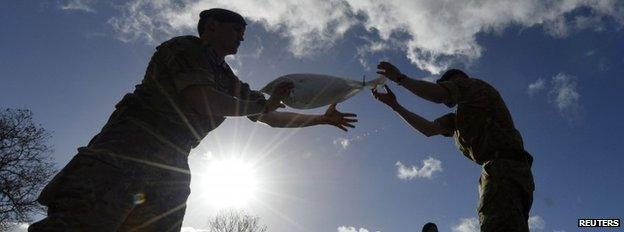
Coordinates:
(25, 166)
(235, 221)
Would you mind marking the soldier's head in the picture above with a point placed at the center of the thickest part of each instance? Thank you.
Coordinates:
(223, 29)
(430, 227)
(452, 74)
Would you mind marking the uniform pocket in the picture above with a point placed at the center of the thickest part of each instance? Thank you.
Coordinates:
(488, 187)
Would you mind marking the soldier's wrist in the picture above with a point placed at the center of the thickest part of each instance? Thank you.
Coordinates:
(265, 108)
(256, 107)
(270, 105)
(395, 106)
(401, 78)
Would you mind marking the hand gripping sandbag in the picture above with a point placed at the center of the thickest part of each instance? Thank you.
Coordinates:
(316, 90)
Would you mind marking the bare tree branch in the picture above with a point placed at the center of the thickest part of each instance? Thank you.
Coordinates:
(25, 166)
(235, 221)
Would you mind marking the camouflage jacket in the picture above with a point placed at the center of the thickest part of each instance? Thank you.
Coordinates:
(158, 103)
(482, 125)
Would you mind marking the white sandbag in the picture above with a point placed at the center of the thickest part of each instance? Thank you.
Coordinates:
(316, 90)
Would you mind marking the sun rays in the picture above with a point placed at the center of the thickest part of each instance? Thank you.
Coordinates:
(229, 183)
(232, 178)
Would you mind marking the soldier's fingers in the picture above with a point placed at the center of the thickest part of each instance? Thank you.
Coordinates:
(375, 93)
(350, 120)
(348, 124)
(342, 128)
(349, 115)
(388, 89)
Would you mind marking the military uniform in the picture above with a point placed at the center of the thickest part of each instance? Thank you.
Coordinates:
(485, 133)
(134, 174)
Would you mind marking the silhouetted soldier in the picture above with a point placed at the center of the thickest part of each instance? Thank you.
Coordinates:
(134, 174)
(484, 132)
(430, 227)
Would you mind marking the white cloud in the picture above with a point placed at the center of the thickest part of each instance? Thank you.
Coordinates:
(191, 229)
(309, 25)
(536, 87)
(433, 34)
(345, 143)
(467, 225)
(431, 79)
(430, 165)
(342, 142)
(564, 94)
(79, 5)
(235, 63)
(369, 47)
(536, 223)
(17, 227)
(352, 229)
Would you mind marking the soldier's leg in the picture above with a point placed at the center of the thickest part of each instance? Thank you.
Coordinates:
(87, 195)
(161, 206)
(504, 204)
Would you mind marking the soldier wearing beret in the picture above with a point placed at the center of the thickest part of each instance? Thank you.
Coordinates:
(484, 132)
(134, 174)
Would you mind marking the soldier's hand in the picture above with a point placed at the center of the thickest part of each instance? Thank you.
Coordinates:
(389, 70)
(280, 92)
(338, 119)
(273, 104)
(387, 98)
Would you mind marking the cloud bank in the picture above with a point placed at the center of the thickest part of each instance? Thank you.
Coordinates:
(433, 34)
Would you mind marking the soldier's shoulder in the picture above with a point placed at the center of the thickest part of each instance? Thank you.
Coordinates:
(478, 83)
(181, 43)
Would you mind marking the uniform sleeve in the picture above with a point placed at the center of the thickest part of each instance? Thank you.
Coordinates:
(467, 91)
(448, 123)
(193, 77)
(187, 70)
(242, 91)
(252, 95)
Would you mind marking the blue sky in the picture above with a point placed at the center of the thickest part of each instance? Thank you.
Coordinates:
(557, 64)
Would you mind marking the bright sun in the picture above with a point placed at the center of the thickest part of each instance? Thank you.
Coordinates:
(229, 183)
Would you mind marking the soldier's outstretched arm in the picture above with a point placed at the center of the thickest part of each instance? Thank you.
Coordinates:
(417, 122)
(290, 120)
(429, 91)
(206, 100)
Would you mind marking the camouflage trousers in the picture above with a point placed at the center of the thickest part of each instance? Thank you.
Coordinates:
(123, 181)
(92, 195)
(505, 196)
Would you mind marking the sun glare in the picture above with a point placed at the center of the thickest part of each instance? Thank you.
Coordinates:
(229, 183)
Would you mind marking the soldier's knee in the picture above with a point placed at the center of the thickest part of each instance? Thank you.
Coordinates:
(47, 225)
